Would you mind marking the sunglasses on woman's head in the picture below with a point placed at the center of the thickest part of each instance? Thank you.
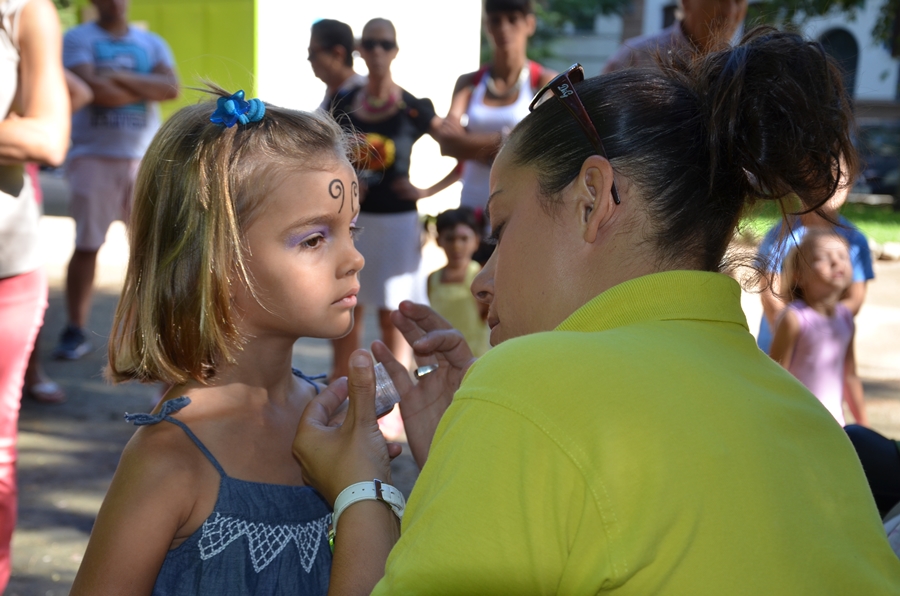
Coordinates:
(370, 44)
(563, 88)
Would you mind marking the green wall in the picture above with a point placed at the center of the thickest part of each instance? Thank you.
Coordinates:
(211, 39)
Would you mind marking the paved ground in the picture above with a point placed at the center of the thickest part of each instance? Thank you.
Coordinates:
(69, 452)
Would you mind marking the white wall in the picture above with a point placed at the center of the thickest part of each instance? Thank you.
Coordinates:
(653, 15)
(876, 71)
(435, 48)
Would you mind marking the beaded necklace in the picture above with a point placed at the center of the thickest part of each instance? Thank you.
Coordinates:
(374, 105)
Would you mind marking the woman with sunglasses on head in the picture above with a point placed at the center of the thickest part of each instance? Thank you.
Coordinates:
(624, 434)
(391, 120)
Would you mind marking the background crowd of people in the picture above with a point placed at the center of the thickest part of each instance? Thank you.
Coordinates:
(485, 106)
(88, 100)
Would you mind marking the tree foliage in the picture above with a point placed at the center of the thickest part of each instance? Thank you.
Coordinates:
(796, 11)
(887, 29)
(790, 11)
(580, 13)
(67, 11)
(554, 16)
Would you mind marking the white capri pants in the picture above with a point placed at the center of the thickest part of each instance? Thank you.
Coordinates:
(392, 246)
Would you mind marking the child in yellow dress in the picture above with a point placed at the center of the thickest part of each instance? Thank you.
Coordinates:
(449, 288)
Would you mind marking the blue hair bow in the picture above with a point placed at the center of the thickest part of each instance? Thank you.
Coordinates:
(234, 109)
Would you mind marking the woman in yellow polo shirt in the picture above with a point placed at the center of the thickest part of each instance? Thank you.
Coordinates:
(624, 434)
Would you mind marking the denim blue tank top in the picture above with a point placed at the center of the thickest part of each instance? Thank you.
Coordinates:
(264, 539)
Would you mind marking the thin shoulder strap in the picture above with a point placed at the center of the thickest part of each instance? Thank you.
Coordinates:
(170, 407)
(479, 74)
(535, 71)
(310, 380)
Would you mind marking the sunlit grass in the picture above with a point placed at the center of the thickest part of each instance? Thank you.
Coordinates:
(878, 222)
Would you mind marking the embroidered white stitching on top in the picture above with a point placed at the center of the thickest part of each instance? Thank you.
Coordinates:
(265, 541)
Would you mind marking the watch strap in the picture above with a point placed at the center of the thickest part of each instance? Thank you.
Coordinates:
(371, 490)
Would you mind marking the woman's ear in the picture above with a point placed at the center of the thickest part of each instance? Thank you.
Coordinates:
(595, 202)
(531, 21)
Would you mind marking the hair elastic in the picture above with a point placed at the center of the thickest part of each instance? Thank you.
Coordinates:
(234, 109)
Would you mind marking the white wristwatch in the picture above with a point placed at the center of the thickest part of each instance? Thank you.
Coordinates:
(372, 490)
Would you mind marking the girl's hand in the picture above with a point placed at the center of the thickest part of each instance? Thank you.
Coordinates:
(335, 456)
(423, 403)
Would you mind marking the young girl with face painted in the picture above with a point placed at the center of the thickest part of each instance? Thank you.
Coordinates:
(242, 241)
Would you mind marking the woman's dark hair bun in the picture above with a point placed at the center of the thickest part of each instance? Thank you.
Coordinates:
(701, 137)
(779, 117)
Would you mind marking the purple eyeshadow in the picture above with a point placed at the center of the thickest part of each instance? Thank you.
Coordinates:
(296, 240)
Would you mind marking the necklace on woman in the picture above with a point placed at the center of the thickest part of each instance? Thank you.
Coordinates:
(514, 88)
(375, 105)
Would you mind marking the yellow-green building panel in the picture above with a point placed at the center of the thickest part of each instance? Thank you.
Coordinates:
(212, 40)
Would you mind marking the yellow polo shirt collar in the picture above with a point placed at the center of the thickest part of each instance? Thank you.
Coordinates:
(670, 295)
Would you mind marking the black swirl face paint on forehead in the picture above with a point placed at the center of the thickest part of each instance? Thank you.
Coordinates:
(354, 194)
(336, 190)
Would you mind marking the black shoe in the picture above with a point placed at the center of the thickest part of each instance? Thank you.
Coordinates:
(73, 344)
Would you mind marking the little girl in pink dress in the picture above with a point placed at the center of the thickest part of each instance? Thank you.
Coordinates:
(814, 336)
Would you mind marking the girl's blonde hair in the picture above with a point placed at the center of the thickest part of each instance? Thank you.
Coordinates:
(796, 257)
(197, 190)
